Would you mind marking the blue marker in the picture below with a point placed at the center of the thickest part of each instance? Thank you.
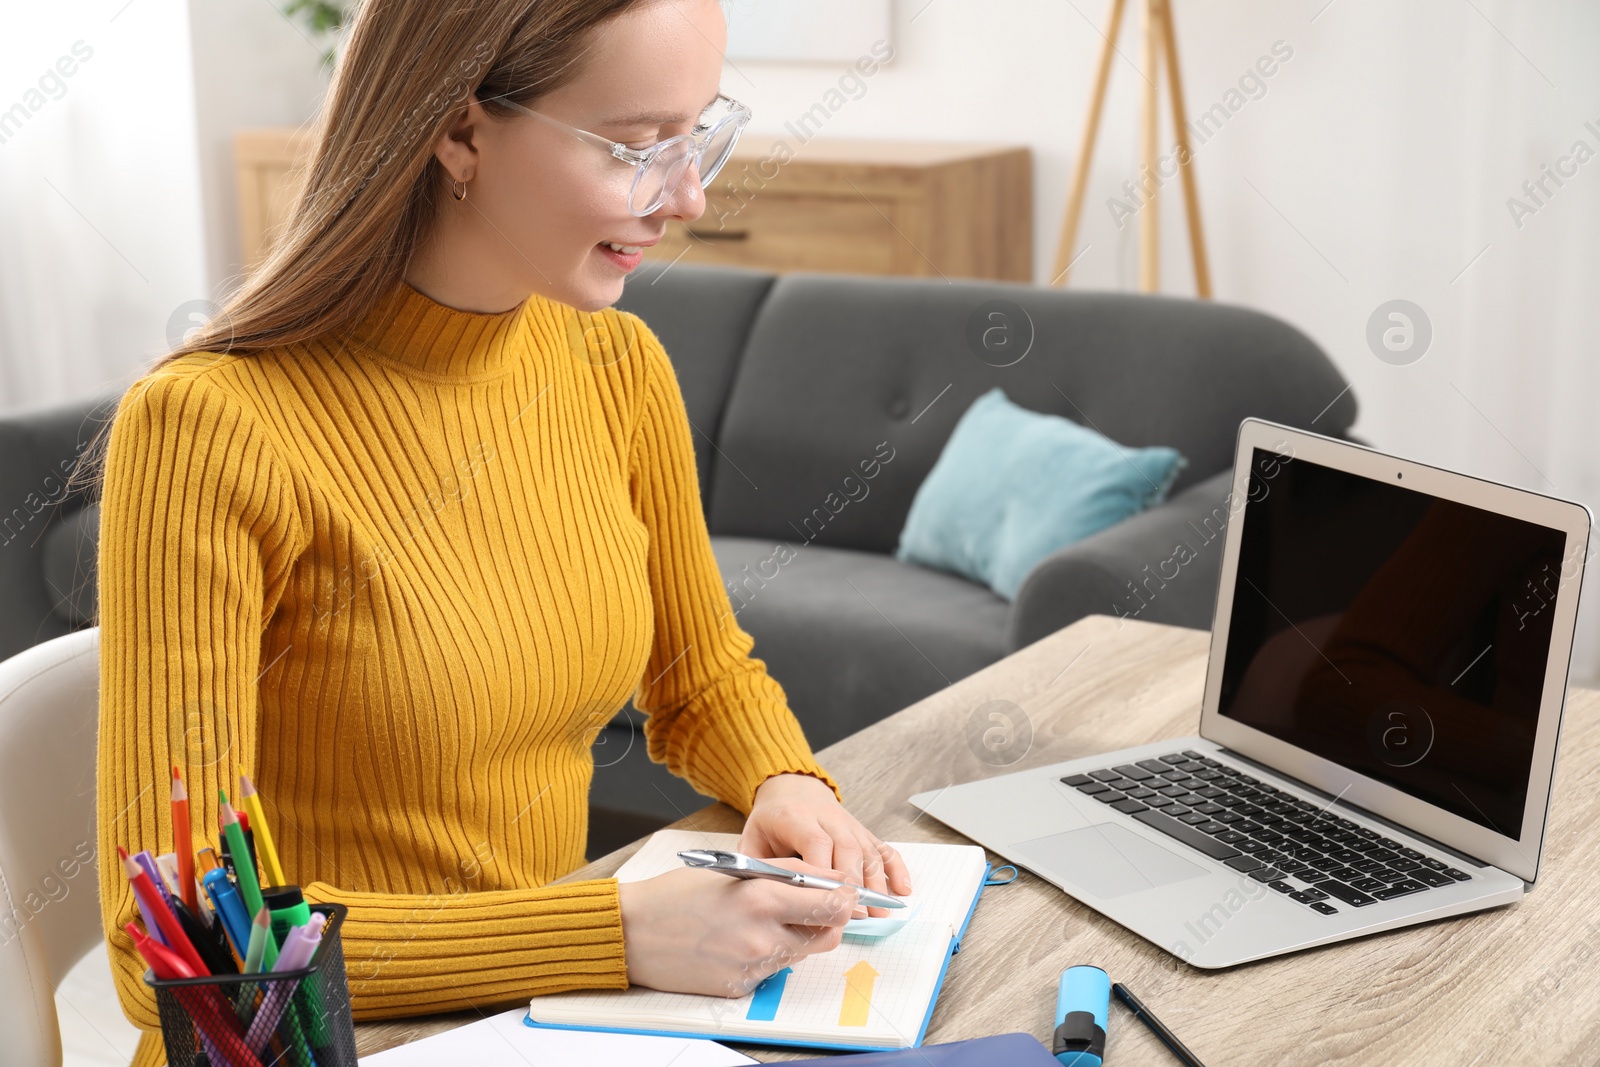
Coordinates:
(1081, 1006)
(229, 908)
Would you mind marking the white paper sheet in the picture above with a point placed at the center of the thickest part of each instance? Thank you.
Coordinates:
(503, 1041)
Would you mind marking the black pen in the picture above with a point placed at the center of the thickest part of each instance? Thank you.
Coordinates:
(1168, 1038)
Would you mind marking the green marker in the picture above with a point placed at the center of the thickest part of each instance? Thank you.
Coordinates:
(289, 909)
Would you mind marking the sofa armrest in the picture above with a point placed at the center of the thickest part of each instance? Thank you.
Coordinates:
(1161, 565)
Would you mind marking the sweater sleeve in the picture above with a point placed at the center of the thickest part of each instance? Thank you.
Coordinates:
(715, 716)
(200, 527)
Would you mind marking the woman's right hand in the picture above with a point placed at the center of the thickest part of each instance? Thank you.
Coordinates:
(690, 931)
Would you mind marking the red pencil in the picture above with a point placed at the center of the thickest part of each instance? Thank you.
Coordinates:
(183, 843)
(210, 1012)
(147, 893)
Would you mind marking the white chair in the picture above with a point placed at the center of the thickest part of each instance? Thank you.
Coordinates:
(49, 879)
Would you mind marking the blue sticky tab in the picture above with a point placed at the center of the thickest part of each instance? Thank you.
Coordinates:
(764, 1001)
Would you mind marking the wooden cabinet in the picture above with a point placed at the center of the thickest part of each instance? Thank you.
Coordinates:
(263, 160)
(925, 208)
(866, 207)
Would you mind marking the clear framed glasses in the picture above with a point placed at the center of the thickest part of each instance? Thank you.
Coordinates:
(660, 168)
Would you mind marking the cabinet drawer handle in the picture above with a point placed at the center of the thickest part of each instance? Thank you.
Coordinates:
(718, 235)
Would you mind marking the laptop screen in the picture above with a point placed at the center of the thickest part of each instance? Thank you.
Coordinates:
(1399, 634)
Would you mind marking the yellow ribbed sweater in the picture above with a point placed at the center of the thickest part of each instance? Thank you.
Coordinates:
(402, 577)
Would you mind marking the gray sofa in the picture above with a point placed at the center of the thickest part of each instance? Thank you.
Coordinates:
(47, 537)
(818, 404)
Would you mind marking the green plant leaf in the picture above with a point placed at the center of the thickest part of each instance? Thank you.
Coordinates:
(321, 17)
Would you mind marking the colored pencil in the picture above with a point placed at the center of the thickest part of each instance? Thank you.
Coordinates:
(165, 920)
(271, 867)
(183, 842)
(216, 1023)
(244, 872)
(260, 931)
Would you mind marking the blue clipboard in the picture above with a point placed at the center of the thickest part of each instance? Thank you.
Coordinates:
(743, 1039)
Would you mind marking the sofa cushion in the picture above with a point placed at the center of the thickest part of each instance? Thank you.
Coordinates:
(1013, 486)
(839, 368)
(69, 547)
(38, 451)
(856, 636)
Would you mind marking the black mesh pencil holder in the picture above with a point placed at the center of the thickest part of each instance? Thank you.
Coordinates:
(275, 1019)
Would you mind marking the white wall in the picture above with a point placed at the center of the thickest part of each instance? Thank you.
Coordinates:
(1374, 164)
(252, 68)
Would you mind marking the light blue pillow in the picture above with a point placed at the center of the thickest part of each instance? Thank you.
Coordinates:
(1013, 486)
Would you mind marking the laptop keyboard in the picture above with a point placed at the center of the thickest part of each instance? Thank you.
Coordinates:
(1266, 833)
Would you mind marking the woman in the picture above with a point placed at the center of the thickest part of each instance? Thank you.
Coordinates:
(403, 528)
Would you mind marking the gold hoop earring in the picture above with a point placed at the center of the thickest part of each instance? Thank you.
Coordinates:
(462, 195)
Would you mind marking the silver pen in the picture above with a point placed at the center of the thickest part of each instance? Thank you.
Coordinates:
(738, 865)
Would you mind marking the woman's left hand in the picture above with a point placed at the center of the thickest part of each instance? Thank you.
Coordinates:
(798, 815)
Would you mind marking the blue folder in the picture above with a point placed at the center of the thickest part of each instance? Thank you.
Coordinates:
(743, 1039)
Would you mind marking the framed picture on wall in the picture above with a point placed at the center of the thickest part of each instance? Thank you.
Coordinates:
(817, 31)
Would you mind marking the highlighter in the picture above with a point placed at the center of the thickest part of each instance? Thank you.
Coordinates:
(289, 909)
(235, 920)
(1082, 1001)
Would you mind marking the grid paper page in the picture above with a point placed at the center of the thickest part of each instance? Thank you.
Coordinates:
(937, 896)
(816, 994)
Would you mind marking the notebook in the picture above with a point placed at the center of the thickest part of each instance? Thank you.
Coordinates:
(875, 991)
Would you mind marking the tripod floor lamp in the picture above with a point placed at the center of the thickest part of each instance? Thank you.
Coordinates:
(1159, 41)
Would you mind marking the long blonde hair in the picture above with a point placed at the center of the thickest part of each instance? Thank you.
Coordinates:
(369, 190)
(371, 185)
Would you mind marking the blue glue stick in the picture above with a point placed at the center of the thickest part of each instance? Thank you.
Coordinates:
(1081, 1005)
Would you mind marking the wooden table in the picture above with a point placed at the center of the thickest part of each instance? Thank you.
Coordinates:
(1515, 984)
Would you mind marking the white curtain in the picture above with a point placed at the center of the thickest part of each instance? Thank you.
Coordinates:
(117, 202)
(1377, 164)
(99, 238)
(1529, 317)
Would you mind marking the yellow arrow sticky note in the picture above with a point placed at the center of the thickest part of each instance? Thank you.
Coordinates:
(858, 982)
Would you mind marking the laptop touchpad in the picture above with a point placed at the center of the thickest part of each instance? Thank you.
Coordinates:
(1105, 859)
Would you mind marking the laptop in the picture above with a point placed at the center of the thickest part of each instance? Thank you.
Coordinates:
(1378, 728)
